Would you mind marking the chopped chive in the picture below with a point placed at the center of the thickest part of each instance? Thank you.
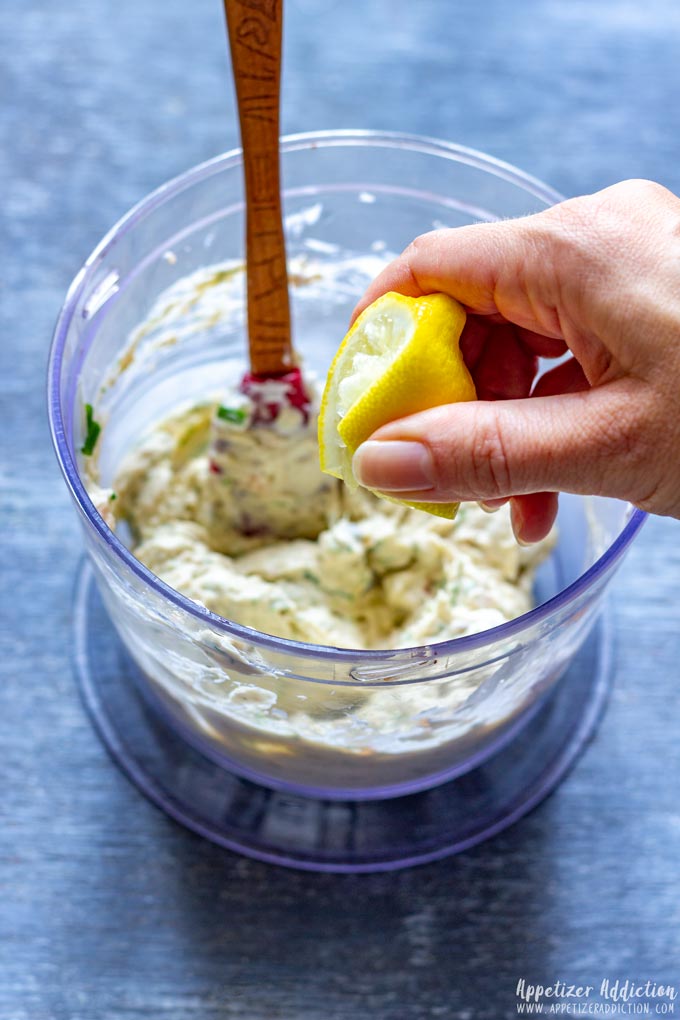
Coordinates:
(93, 428)
(113, 496)
(235, 415)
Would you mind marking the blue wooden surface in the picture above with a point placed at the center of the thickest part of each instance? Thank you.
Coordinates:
(107, 909)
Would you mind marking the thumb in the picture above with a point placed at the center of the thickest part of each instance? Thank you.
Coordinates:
(586, 442)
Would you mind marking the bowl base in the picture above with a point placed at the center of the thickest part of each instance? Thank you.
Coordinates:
(322, 835)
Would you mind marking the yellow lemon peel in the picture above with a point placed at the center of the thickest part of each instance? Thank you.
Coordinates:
(401, 356)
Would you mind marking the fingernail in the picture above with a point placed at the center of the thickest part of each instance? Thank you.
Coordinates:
(520, 541)
(517, 521)
(394, 466)
(491, 507)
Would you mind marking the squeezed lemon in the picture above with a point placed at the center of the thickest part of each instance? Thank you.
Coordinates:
(401, 356)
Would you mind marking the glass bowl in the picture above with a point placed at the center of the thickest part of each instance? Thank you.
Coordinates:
(312, 720)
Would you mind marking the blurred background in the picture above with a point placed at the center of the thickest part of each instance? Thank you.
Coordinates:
(102, 102)
(108, 909)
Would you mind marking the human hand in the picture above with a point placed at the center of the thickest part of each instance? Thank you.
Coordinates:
(596, 276)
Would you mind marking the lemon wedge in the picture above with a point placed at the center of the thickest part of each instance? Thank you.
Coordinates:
(401, 356)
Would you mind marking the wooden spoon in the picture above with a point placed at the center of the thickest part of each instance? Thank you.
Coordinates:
(267, 476)
(255, 30)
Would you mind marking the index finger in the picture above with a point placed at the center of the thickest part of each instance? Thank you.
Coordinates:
(495, 269)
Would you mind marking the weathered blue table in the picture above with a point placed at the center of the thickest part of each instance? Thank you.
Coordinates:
(107, 909)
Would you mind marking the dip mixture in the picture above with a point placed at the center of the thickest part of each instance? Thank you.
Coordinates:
(329, 566)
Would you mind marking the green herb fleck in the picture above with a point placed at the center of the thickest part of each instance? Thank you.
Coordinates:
(113, 496)
(93, 428)
(235, 415)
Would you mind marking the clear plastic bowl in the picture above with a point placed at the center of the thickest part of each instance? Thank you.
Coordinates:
(314, 720)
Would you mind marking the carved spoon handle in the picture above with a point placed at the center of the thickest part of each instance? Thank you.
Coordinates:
(255, 40)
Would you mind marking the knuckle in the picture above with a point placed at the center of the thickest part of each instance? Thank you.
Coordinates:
(490, 470)
(605, 214)
(422, 260)
(652, 500)
(414, 247)
(599, 242)
(638, 189)
(412, 256)
(414, 251)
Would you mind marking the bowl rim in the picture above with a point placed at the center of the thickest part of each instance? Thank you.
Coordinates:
(307, 650)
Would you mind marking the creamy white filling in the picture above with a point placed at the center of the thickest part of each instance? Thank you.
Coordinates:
(365, 574)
